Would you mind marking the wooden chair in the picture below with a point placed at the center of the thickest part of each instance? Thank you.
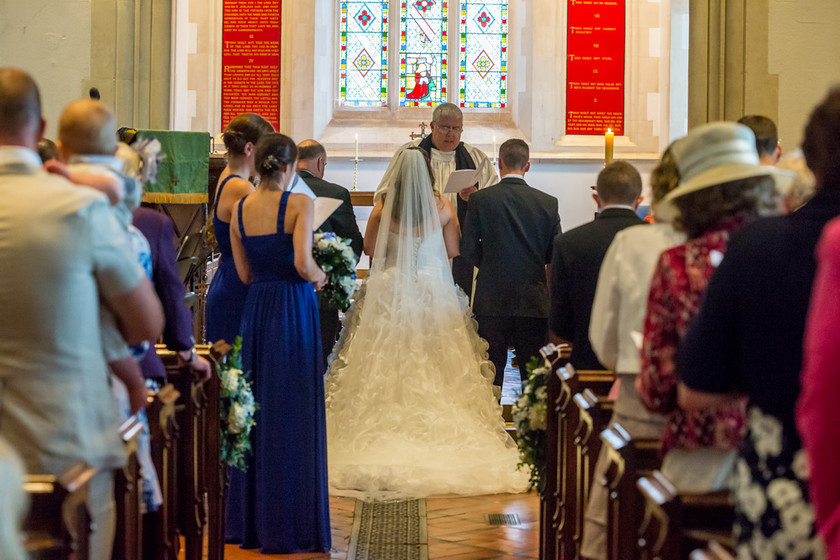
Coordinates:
(160, 528)
(49, 533)
(628, 459)
(593, 416)
(570, 383)
(128, 496)
(674, 524)
(713, 551)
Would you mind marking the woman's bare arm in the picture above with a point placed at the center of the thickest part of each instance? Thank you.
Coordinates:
(451, 229)
(303, 213)
(372, 228)
(243, 267)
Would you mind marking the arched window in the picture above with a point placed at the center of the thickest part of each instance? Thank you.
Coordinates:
(420, 72)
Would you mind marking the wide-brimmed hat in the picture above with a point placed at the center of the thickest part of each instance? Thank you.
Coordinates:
(713, 154)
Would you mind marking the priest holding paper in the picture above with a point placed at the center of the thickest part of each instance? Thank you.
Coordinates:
(448, 154)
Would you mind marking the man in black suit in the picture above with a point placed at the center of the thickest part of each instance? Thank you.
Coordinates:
(508, 233)
(578, 255)
(312, 159)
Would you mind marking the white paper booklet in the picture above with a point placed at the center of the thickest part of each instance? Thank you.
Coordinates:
(461, 179)
(324, 207)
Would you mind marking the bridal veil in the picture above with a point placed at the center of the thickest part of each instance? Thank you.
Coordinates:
(410, 405)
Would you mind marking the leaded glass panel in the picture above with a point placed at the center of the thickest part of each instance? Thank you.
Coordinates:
(422, 52)
(482, 78)
(363, 77)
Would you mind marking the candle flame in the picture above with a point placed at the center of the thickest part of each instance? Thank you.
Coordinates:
(609, 131)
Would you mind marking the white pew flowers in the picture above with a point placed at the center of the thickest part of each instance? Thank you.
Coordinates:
(236, 410)
(529, 415)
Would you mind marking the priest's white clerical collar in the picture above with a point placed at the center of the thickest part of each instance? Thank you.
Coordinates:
(443, 156)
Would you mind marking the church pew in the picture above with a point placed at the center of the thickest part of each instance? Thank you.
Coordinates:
(570, 383)
(160, 528)
(553, 357)
(593, 415)
(676, 523)
(628, 459)
(190, 416)
(198, 453)
(713, 551)
(128, 488)
(48, 533)
(215, 472)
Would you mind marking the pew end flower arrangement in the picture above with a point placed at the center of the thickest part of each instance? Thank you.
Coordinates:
(529, 415)
(335, 257)
(236, 409)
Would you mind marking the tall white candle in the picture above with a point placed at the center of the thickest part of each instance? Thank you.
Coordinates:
(357, 148)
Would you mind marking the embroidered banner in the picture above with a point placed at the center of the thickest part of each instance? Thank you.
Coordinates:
(251, 59)
(595, 67)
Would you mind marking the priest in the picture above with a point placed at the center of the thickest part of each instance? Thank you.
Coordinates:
(448, 153)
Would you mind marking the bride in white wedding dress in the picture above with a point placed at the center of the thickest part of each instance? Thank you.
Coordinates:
(411, 410)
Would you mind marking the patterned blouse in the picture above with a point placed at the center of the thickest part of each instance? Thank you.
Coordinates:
(675, 293)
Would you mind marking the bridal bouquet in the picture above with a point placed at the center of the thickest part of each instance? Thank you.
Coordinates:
(529, 415)
(236, 410)
(335, 257)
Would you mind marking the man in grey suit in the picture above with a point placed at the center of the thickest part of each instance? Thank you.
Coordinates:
(312, 159)
(508, 236)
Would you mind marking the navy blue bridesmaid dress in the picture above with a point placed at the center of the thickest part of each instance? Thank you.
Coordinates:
(281, 504)
(226, 295)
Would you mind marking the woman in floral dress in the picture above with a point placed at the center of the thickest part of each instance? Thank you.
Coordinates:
(722, 187)
(747, 340)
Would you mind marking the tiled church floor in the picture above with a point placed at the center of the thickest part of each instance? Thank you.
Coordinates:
(457, 529)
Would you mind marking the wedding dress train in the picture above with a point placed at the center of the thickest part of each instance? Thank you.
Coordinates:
(411, 409)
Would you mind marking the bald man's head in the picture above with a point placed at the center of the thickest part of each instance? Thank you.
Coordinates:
(20, 109)
(87, 127)
(312, 157)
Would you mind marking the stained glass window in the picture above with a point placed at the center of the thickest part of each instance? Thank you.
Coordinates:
(423, 53)
(482, 78)
(364, 54)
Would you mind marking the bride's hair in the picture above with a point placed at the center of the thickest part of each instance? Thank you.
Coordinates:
(399, 191)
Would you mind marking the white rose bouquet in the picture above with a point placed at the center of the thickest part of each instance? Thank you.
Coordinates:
(529, 415)
(335, 257)
(236, 410)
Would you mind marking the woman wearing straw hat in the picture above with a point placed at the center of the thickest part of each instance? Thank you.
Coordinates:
(722, 187)
(747, 340)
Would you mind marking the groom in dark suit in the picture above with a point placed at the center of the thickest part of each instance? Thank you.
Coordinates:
(312, 159)
(508, 235)
(578, 255)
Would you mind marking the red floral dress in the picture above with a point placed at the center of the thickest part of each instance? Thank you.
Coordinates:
(675, 293)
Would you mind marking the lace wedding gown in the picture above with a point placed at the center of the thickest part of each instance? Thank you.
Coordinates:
(411, 410)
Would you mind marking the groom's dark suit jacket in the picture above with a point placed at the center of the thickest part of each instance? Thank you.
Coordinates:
(577, 259)
(508, 235)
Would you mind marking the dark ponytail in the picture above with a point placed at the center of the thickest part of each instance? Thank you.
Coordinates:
(244, 128)
(274, 152)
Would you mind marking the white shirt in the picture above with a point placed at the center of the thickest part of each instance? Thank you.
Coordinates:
(622, 293)
(443, 164)
(61, 249)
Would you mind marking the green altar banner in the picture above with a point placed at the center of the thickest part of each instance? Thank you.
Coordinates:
(182, 174)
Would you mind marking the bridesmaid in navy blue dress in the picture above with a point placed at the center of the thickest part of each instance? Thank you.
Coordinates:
(226, 294)
(281, 504)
